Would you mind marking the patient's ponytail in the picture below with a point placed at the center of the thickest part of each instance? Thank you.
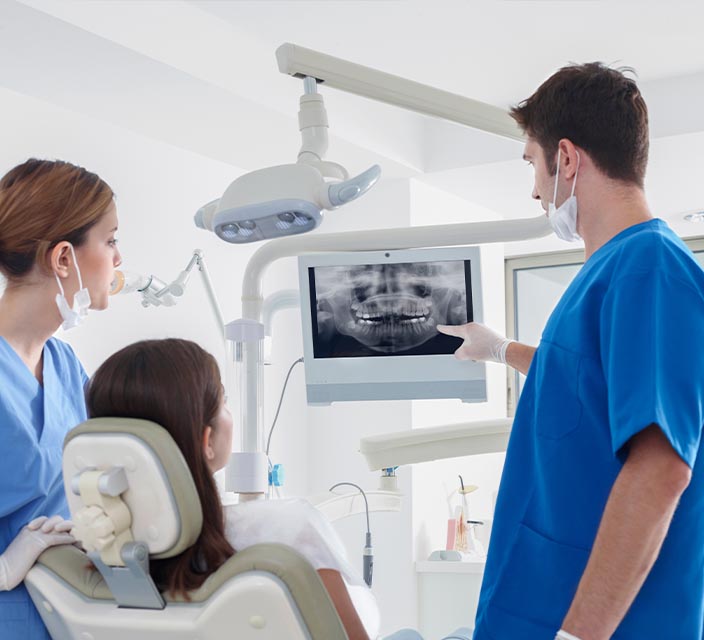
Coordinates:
(176, 384)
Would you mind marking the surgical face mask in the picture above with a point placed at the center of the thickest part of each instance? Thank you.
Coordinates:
(563, 220)
(81, 300)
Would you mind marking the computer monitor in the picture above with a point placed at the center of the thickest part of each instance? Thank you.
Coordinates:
(369, 324)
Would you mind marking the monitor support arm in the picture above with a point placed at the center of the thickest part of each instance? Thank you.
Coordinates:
(470, 233)
(379, 239)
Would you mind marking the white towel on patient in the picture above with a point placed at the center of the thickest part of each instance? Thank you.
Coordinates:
(298, 524)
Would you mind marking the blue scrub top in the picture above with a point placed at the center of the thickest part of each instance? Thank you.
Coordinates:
(33, 421)
(623, 349)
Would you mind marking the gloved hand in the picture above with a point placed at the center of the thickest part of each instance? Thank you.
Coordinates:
(564, 635)
(23, 551)
(480, 342)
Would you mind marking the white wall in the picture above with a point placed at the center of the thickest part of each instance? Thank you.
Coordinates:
(334, 433)
(158, 189)
(433, 482)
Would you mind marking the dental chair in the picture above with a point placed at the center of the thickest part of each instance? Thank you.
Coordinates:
(132, 498)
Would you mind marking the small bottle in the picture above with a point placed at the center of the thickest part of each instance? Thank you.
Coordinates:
(461, 540)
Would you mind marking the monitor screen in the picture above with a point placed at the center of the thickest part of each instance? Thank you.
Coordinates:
(368, 310)
(370, 321)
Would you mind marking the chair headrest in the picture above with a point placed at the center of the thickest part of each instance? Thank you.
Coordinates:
(161, 495)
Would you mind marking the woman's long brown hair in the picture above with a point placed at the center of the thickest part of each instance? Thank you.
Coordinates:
(176, 384)
(43, 202)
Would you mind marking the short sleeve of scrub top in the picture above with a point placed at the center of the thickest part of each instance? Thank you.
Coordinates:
(651, 353)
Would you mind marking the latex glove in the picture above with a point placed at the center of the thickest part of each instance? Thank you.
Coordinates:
(480, 342)
(564, 635)
(23, 551)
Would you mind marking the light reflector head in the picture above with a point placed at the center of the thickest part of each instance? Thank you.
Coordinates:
(279, 201)
(260, 221)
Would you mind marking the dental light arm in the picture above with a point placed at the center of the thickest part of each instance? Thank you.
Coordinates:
(401, 92)
(313, 125)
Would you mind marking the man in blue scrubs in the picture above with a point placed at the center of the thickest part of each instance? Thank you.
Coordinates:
(599, 524)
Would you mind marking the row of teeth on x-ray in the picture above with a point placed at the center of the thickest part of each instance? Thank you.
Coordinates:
(415, 326)
(390, 320)
(393, 329)
(391, 317)
(391, 309)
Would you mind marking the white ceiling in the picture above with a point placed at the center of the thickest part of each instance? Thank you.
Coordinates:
(202, 75)
(494, 51)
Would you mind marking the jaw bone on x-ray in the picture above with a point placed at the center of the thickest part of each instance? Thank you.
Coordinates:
(389, 309)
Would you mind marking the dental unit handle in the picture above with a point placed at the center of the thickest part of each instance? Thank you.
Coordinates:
(344, 192)
(368, 560)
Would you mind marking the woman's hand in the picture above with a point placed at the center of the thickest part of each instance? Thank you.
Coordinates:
(21, 554)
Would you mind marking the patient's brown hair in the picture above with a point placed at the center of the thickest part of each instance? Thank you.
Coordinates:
(176, 384)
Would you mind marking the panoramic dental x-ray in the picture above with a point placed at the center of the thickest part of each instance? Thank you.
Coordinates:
(384, 309)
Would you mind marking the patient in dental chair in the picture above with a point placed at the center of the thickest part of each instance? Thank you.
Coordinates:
(176, 384)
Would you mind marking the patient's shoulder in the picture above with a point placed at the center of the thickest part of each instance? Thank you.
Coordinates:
(254, 510)
(293, 522)
(261, 520)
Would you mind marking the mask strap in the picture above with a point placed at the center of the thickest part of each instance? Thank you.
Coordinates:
(78, 271)
(58, 281)
(576, 173)
(557, 175)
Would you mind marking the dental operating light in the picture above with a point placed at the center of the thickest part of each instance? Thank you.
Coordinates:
(287, 199)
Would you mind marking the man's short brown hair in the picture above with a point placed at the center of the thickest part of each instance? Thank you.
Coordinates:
(598, 109)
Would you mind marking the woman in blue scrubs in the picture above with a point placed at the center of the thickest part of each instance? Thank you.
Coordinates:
(57, 254)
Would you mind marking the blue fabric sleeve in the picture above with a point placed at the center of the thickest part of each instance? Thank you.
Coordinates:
(652, 354)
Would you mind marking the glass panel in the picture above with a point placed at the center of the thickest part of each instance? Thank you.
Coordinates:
(537, 291)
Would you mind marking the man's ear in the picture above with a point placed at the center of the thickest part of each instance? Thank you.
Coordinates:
(569, 158)
(208, 450)
(60, 259)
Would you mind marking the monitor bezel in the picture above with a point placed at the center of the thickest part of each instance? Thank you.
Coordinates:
(390, 370)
